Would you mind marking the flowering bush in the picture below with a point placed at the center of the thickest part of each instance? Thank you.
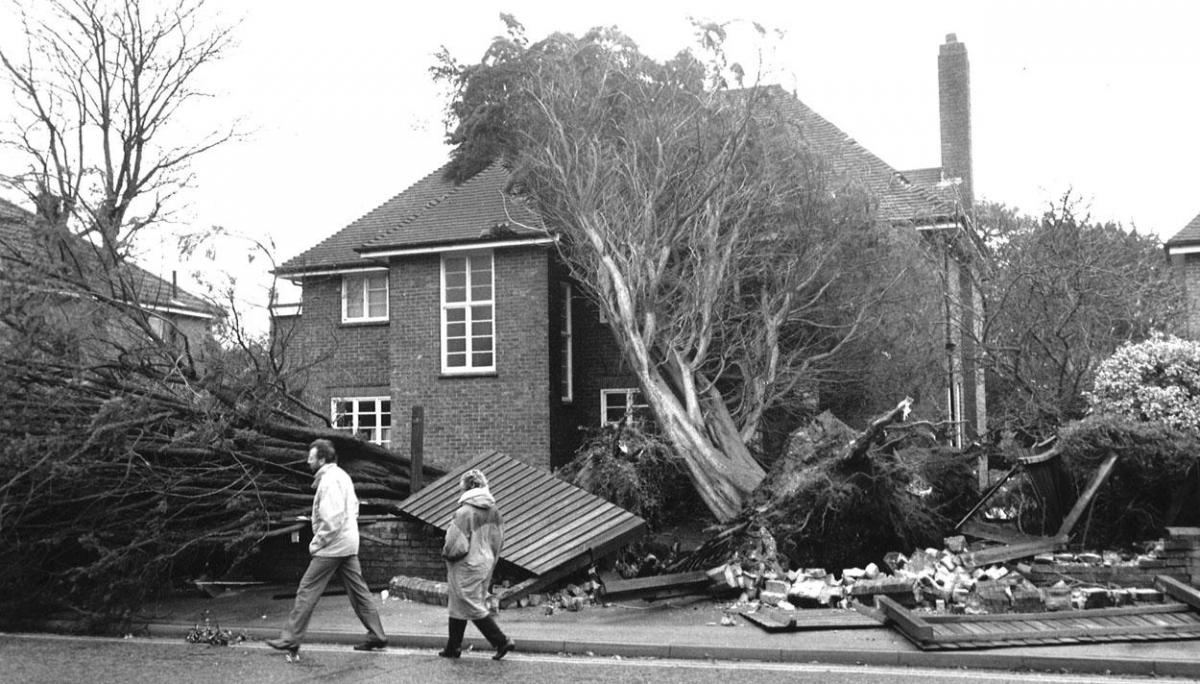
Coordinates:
(1157, 380)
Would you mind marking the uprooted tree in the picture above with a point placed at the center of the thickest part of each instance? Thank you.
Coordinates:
(734, 266)
(130, 453)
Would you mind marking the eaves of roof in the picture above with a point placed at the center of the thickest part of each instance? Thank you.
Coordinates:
(1189, 235)
(432, 211)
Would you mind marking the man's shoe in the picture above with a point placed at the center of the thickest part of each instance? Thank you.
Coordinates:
(371, 645)
(446, 653)
(504, 649)
(284, 645)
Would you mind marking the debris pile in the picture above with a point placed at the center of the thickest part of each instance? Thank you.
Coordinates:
(946, 581)
(1176, 556)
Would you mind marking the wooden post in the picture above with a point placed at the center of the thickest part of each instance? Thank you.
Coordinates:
(417, 449)
(1085, 498)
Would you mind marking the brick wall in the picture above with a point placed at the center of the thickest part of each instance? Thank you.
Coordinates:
(598, 365)
(1187, 267)
(508, 410)
(410, 548)
(345, 360)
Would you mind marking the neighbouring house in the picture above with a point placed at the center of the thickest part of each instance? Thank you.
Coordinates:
(451, 297)
(1183, 250)
(66, 271)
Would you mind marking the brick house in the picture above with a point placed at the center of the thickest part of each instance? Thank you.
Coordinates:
(452, 298)
(1183, 251)
(31, 251)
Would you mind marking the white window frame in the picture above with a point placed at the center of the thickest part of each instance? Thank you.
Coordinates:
(567, 382)
(358, 285)
(378, 435)
(465, 306)
(629, 399)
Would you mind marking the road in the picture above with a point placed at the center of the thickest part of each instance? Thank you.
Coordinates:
(46, 659)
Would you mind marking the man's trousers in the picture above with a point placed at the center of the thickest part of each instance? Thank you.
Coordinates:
(320, 570)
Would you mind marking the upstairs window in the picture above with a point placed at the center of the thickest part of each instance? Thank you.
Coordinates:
(368, 418)
(365, 297)
(567, 369)
(468, 313)
(615, 404)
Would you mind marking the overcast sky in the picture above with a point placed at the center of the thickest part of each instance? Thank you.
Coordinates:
(1098, 97)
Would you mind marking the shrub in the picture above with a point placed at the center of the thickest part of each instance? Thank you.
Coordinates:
(1157, 380)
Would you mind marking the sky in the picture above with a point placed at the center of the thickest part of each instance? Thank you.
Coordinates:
(339, 113)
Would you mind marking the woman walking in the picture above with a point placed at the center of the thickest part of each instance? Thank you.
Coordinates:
(472, 547)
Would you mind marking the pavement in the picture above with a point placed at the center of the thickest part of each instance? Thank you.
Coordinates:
(688, 628)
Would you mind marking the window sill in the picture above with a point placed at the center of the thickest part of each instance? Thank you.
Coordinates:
(469, 374)
(364, 324)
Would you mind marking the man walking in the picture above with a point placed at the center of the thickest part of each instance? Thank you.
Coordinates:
(334, 549)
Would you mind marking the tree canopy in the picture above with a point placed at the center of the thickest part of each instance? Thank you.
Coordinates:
(1061, 294)
(734, 265)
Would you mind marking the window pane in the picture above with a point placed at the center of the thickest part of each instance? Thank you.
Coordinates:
(456, 265)
(481, 344)
(377, 282)
(481, 313)
(377, 303)
(366, 420)
(481, 328)
(456, 360)
(366, 406)
(354, 303)
(456, 330)
(481, 293)
(456, 315)
(481, 360)
(456, 345)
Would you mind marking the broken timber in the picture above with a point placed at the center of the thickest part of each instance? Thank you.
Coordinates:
(658, 586)
(1031, 546)
(775, 620)
(1163, 621)
(551, 528)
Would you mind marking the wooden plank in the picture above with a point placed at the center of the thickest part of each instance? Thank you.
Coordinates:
(775, 621)
(910, 623)
(998, 533)
(1060, 615)
(1082, 631)
(1000, 554)
(1179, 591)
(642, 586)
(1085, 498)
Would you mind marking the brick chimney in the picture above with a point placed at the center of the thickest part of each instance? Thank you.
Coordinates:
(954, 96)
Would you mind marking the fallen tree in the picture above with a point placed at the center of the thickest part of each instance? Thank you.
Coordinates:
(119, 478)
(127, 480)
(840, 498)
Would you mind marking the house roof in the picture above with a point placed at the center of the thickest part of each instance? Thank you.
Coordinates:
(549, 525)
(19, 242)
(900, 198)
(1189, 235)
(436, 211)
(431, 211)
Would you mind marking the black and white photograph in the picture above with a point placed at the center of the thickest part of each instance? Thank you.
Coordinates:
(588, 342)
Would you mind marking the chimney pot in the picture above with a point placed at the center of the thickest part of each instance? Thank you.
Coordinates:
(951, 38)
